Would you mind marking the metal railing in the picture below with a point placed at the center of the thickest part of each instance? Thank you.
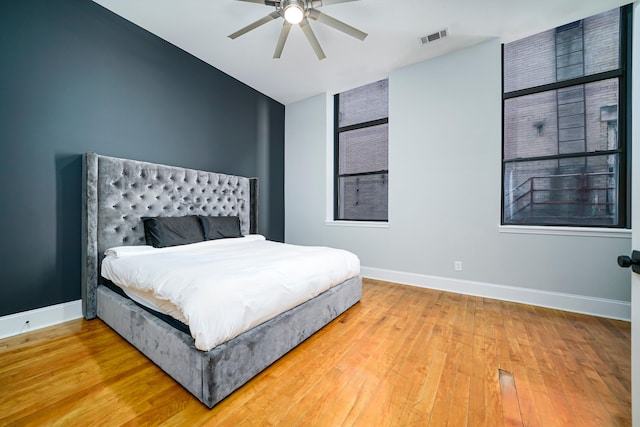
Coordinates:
(527, 201)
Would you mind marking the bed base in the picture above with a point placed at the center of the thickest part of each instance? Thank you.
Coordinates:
(213, 375)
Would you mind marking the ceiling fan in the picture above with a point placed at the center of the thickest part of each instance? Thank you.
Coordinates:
(297, 12)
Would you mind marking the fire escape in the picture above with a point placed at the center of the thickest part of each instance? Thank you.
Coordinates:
(572, 193)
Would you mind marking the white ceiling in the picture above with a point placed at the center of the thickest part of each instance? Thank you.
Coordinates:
(395, 27)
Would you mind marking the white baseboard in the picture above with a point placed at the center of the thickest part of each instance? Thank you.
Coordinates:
(27, 321)
(600, 307)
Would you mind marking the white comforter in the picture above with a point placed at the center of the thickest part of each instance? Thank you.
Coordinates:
(225, 287)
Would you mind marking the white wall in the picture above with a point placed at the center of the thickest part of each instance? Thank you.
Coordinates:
(444, 194)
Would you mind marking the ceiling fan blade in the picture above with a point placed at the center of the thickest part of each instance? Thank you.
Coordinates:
(282, 40)
(266, 2)
(313, 41)
(270, 17)
(318, 3)
(338, 25)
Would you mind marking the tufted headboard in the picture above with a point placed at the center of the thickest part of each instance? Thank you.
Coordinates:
(117, 193)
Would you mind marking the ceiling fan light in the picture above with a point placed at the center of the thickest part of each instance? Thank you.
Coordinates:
(293, 12)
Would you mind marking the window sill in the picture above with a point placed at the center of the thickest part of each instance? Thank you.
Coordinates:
(616, 233)
(363, 224)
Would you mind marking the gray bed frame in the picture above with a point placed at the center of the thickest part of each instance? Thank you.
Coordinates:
(117, 193)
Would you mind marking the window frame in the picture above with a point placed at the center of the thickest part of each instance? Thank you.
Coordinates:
(336, 160)
(623, 74)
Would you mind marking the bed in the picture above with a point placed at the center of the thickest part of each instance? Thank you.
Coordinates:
(117, 194)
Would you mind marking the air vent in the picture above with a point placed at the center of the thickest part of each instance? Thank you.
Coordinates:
(435, 36)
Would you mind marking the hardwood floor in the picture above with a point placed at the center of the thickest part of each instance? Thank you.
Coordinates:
(404, 356)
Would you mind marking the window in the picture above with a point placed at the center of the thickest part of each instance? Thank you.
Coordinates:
(565, 95)
(361, 153)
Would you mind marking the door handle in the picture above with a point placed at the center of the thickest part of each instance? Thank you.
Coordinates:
(633, 262)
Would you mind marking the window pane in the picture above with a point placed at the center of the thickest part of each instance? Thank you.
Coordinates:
(364, 150)
(574, 191)
(363, 197)
(362, 159)
(364, 104)
(583, 48)
(575, 119)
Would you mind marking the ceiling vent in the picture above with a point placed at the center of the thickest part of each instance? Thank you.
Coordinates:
(435, 36)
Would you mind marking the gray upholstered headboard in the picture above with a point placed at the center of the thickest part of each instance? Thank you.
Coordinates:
(118, 192)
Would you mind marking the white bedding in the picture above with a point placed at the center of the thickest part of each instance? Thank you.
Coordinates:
(222, 288)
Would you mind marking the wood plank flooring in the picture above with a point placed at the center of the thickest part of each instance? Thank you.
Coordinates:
(403, 356)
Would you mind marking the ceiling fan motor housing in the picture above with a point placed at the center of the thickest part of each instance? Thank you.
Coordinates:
(293, 10)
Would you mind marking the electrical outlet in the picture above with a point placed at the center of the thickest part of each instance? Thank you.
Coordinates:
(457, 265)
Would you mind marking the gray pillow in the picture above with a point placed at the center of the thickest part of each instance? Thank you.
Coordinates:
(161, 232)
(220, 227)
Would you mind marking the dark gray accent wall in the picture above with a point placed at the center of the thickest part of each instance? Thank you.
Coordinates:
(75, 77)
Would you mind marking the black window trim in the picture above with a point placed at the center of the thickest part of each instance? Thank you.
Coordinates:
(623, 73)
